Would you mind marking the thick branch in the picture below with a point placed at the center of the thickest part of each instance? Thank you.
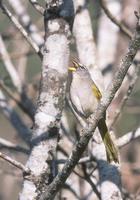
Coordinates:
(50, 104)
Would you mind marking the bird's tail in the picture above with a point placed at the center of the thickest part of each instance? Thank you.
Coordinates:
(111, 150)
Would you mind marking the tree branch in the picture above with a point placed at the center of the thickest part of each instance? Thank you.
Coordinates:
(20, 28)
(26, 22)
(18, 100)
(50, 103)
(89, 180)
(121, 26)
(37, 6)
(13, 117)
(11, 146)
(127, 138)
(15, 163)
(9, 66)
(135, 77)
(27, 105)
(71, 189)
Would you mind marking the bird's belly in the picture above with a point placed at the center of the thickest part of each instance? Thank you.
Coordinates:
(88, 100)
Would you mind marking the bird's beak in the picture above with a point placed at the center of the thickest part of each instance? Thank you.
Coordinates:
(72, 69)
(75, 66)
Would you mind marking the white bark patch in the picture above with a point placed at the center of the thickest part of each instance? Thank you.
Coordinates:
(56, 52)
(53, 26)
(49, 108)
(43, 119)
(37, 162)
(29, 191)
(78, 3)
(109, 190)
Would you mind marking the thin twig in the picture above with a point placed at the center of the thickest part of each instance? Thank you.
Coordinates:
(27, 104)
(69, 187)
(13, 117)
(25, 20)
(86, 159)
(78, 174)
(11, 146)
(37, 6)
(121, 26)
(81, 161)
(16, 97)
(20, 28)
(62, 150)
(126, 96)
(88, 179)
(15, 163)
(9, 66)
(127, 138)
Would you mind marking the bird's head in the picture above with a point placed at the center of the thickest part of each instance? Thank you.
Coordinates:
(77, 67)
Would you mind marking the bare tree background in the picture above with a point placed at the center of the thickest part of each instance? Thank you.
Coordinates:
(42, 140)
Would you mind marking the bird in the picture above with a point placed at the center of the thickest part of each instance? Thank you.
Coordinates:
(85, 96)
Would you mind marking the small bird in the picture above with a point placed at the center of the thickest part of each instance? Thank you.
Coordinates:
(85, 95)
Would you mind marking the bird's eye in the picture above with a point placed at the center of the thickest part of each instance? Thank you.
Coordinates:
(82, 67)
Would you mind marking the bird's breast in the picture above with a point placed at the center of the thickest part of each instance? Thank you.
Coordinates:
(82, 97)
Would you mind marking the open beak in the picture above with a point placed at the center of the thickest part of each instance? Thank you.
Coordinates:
(75, 66)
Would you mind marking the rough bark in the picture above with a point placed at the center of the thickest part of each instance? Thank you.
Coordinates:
(50, 102)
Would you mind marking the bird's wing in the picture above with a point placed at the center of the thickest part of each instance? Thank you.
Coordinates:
(96, 92)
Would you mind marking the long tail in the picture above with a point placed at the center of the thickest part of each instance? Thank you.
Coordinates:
(111, 150)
